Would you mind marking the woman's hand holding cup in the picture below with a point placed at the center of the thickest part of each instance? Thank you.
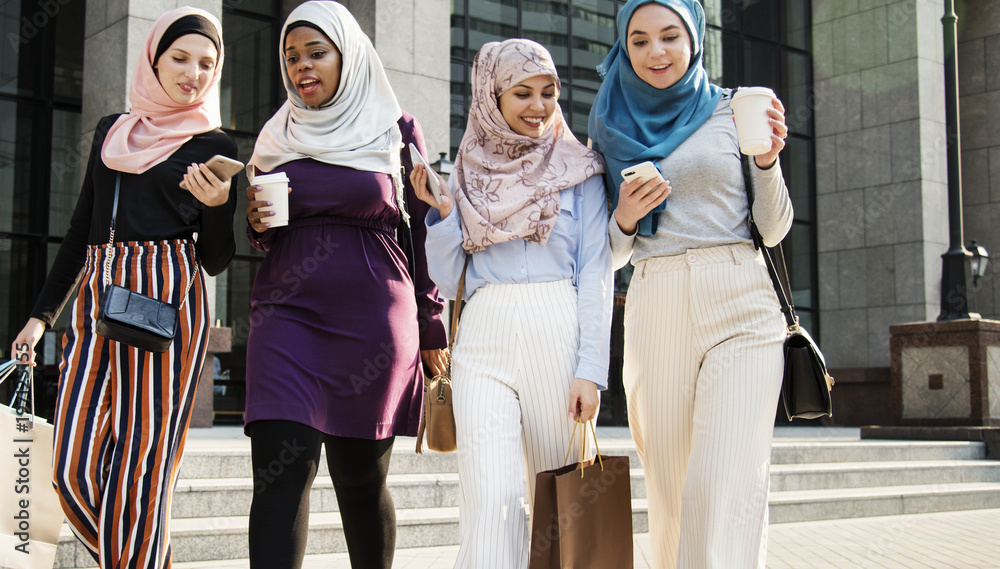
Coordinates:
(636, 199)
(779, 131)
(257, 210)
(418, 177)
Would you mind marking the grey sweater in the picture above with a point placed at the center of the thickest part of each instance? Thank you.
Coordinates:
(707, 205)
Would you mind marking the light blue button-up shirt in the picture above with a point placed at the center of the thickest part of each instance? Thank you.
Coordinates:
(577, 249)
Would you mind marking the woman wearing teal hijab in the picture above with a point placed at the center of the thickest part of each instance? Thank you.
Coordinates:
(703, 329)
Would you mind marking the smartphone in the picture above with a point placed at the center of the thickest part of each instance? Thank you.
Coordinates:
(222, 166)
(432, 179)
(646, 170)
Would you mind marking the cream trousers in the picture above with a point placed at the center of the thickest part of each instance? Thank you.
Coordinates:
(702, 373)
(514, 361)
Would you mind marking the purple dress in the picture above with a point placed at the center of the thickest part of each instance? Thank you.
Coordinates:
(334, 340)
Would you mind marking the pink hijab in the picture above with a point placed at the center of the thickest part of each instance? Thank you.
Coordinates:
(156, 126)
(506, 184)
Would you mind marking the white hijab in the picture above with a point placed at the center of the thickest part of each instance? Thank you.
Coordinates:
(357, 128)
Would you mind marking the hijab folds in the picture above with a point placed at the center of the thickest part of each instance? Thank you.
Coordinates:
(632, 121)
(507, 185)
(156, 126)
(357, 128)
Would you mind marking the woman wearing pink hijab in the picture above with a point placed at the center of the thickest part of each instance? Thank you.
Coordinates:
(123, 413)
(526, 206)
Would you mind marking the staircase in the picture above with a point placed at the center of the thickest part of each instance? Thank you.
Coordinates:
(811, 479)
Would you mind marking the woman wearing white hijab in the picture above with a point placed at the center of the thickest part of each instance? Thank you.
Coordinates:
(334, 351)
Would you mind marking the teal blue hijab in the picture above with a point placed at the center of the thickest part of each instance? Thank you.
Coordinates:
(632, 121)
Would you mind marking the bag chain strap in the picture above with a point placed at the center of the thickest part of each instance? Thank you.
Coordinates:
(111, 249)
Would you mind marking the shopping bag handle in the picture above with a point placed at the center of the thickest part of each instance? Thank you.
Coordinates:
(583, 445)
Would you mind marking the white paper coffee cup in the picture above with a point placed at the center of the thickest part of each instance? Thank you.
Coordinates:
(753, 130)
(274, 189)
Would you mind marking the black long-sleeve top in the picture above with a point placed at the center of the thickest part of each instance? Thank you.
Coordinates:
(151, 207)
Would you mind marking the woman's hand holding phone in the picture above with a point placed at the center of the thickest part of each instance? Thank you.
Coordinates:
(418, 177)
(638, 195)
(205, 186)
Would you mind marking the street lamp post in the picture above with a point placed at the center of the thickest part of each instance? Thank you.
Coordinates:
(954, 291)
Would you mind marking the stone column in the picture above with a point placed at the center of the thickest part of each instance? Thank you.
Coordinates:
(979, 102)
(881, 173)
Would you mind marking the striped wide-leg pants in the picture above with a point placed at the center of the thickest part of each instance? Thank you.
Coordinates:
(515, 358)
(122, 414)
(702, 372)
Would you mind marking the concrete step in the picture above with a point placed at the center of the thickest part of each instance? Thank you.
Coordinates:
(196, 498)
(818, 476)
(230, 462)
(804, 452)
(225, 537)
(232, 496)
(838, 503)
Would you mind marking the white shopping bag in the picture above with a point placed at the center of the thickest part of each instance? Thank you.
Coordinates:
(30, 515)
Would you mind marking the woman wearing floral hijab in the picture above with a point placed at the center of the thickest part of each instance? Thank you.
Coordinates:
(123, 413)
(334, 352)
(703, 330)
(532, 349)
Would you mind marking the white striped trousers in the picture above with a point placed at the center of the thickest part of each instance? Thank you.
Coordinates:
(702, 372)
(514, 361)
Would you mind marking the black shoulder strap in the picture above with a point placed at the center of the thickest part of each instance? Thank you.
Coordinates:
(781, 285)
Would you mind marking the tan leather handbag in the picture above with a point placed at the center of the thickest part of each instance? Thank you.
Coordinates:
(438, 419)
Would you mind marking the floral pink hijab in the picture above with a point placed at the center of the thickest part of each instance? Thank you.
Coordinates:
(507, 185)
(156, 126)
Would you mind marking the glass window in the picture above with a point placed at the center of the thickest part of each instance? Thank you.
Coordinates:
(799, 256)
(458, 37)
(797, 88)
(19, 183)
(458, 114)
(729, 15)
(24, 38)
(593, 35)
(250, 77)
(66, 169)
(760, 18)
(491, 20)
(22, 267)
(761, 64)
(548, 24)
(582, 102)
(239, 282)
(68, 69)
(796, 24)
(714, 56)
(797, 167)
(259, 7)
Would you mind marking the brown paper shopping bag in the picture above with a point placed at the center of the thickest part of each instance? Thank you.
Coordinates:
(31, 516)
(582, 516)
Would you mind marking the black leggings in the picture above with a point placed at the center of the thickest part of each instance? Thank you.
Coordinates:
(285, 457)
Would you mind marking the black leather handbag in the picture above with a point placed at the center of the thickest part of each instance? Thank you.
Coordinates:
(806, 384)
(129, 317)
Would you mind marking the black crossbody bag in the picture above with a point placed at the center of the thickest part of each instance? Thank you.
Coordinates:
(131, 318)
(805, 384)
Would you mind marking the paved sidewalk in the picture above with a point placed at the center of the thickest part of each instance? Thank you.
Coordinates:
(949, 540)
